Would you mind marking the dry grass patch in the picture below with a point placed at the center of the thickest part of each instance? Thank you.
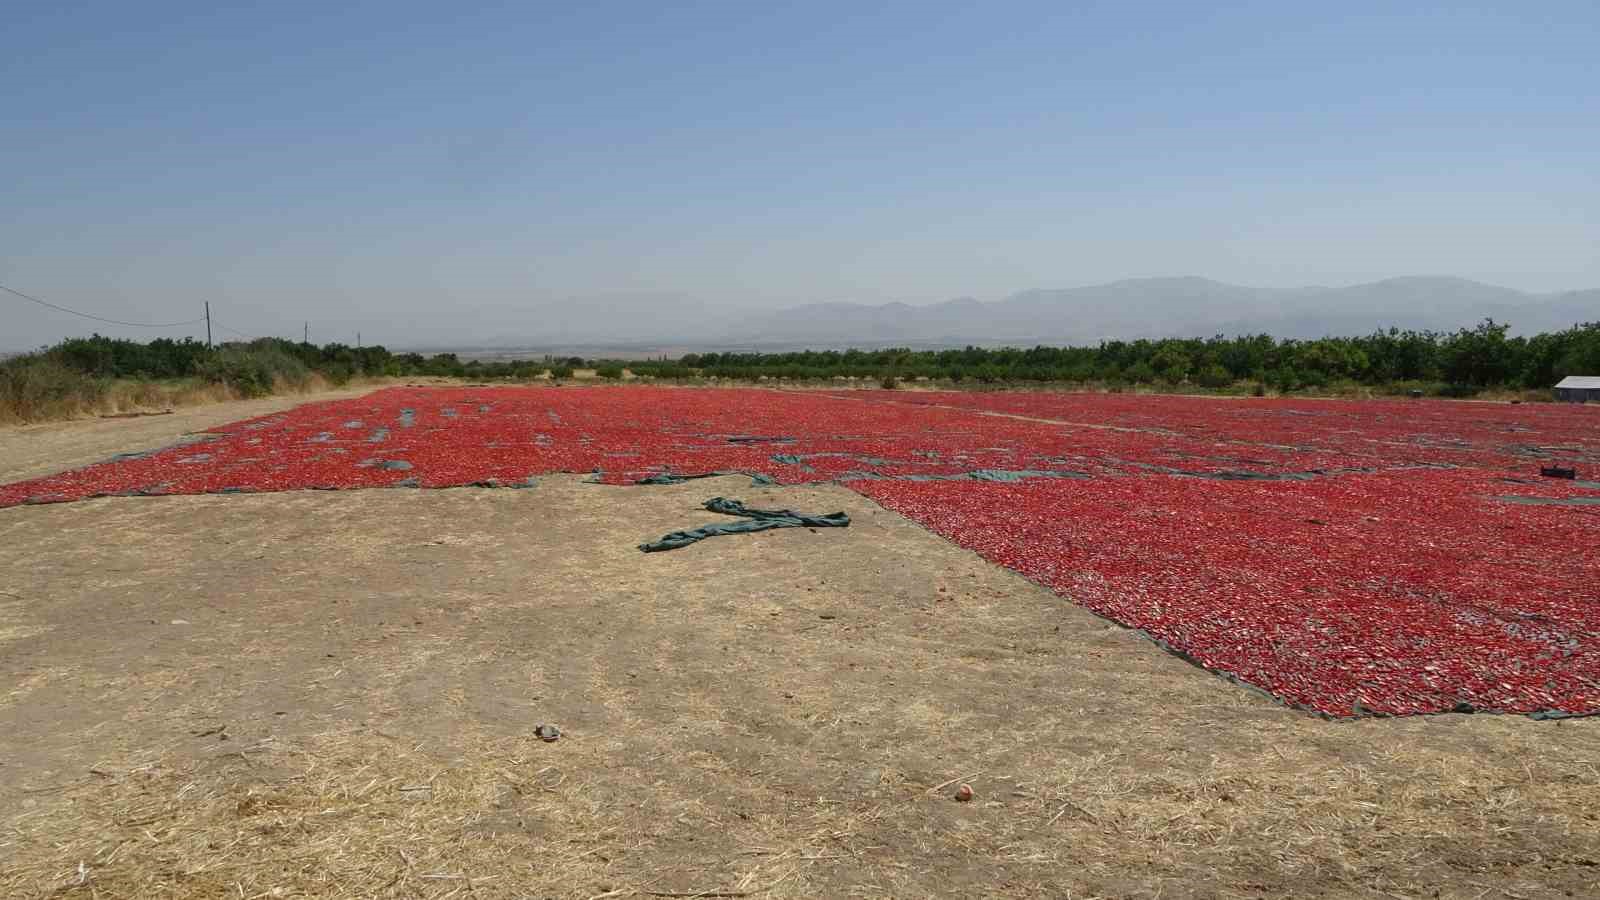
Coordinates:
(778, 715)
(365, 814)
(370, 814)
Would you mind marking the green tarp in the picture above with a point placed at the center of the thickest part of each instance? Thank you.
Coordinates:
(756, 520)
(757, 479)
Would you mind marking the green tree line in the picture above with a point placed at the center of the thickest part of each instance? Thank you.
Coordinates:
(1458, 363)
(1461, 362)
(253, 365)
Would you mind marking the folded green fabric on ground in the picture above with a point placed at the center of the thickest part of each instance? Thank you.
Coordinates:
(757, 520)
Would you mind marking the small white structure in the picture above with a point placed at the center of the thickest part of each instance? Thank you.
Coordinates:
(1579, 389)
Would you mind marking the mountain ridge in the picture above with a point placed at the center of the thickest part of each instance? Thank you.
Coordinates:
(1152, 307)
(1177, 306)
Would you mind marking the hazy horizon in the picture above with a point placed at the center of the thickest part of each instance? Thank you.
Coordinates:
(431, 176)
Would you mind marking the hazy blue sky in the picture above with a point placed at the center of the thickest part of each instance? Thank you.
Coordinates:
(430, 168)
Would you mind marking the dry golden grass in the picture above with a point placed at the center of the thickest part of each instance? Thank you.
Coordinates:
(343, 815)
(370, 814)
(367, 815)
(123, 397)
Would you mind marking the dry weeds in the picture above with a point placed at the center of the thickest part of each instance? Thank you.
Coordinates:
(369, 814)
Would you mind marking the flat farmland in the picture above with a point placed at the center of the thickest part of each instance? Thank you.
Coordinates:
(235, 669)
(1347, 558)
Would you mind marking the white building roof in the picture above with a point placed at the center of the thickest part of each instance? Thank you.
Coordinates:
(1588, 382)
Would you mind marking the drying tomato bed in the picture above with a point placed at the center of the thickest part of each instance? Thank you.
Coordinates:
(1352, 558)
(1396, 593)
(1391, 430)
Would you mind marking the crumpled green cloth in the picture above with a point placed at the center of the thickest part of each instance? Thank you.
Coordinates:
(758, 520)
(757, 479)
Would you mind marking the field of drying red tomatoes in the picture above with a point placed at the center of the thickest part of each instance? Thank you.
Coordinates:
(1347, 557)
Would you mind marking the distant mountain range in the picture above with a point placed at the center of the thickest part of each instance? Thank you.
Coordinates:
(1174, 307)
(1135, 308)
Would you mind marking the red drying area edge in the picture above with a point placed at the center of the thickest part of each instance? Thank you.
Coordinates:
(1335, 594)
(1347, 557)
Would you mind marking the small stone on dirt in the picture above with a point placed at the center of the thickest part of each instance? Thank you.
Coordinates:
(964, 793)
(547, 733)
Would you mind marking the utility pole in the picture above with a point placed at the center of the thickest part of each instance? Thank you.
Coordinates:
(208, 324)
(305, 335)
(358, 340)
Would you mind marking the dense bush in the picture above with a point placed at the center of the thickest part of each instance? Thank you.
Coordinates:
(38, 387)
(105, 357)
(84, 374)
(258, 368)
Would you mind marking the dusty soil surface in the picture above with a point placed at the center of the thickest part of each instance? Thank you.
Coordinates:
(335, 694)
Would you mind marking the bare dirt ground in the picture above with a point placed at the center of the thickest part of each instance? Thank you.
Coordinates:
(334, 695)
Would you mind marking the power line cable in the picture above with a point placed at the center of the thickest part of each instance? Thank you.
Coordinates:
(99, 318)
(231, 330)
